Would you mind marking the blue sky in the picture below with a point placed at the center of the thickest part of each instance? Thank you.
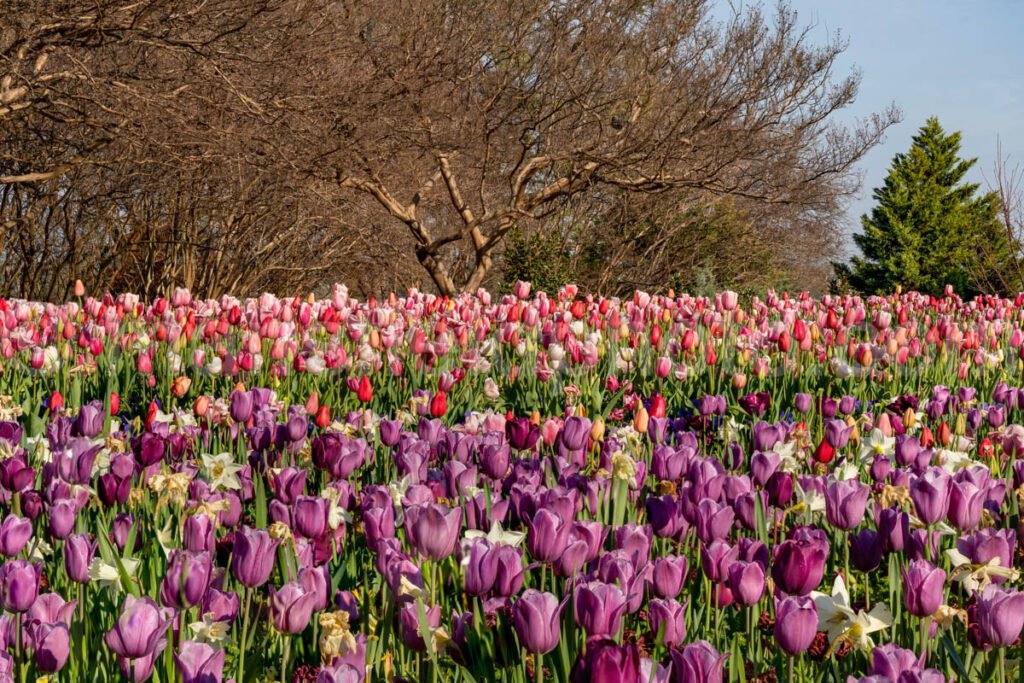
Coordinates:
(962, 61)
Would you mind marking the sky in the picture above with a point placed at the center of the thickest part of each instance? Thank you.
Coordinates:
(960, 60)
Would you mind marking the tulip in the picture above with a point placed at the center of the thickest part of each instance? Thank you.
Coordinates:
(310, 515)
(930, 493)
(667, 575)
(52, 646)
(199, 663)
(186, 578)
(796, 624)
(746, 581)
(19, 584)
(698, 662)
(253, 555)
(599, 608)
(845, 502)
(291, 607)
(78, 554)
(799, 565)
(434, 529)
(667, 619)
(535, 616)
(923, 586)
(139, 629)
(547, 535)
(14, 534)
(1000, 616)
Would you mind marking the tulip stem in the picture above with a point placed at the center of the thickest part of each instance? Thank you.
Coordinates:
(245, 633)
(789, 669)
(284, 660)
(538, 668)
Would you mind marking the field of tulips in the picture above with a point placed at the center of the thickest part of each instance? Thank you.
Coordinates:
(514, 488)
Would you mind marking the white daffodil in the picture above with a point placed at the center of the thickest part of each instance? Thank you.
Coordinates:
(166, 537)
(846, 471)
(836, 616)
(951, 460)
(877, 443)
(975, 577)
(336, 514)
(498, 535)
(211, 631)
(39, 550)
(222, 471)
(786, 451)
(38, 450)
(730, 430)
(810, 499)
(108, 576)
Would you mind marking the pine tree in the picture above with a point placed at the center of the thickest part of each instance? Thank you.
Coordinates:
(928, 228)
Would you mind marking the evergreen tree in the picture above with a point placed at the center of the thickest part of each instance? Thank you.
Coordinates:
(928, 228)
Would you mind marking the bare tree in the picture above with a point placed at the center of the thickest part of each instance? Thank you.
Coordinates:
(237, 145)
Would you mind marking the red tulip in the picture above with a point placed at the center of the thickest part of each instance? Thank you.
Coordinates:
(56, 402)
(365, 392)
(115, 403)
(323, 417)
(824, 452)
(657, 406)
(439, 404)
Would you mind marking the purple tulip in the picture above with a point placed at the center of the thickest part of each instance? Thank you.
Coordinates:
(222, 606)
(667, 575)
(930, 493)
(521, 433)
(667, 618)
(434, 529)
(796, 624)
(547, 535)
(52, 643)
(897, 664)
(310, 516)
(838, 433)
(62, 518)
(14, 534)
(535, 616)
(481, 565)
(866, 550)
(893, 529)
(599, 608)
(845, 503)
(984, 545)
(608, 662)
(746, 581)
(199, 663)
(966, 501)
(923, 586)
(19, 584)
(799, 563)
(139, 629)
(698, 662)
(714, 520)
(1000, 616)
(509, 572)
(291, 607)
(802, 402)
(240, 407)
(253, 555)
(186, 578)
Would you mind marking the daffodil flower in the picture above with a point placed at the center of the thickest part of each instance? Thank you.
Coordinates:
(221, 471)
(836, 616)
(975, 577)
(877, 443)
(108, 576)
(497, 535)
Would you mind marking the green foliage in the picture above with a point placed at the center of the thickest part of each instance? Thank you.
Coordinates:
(929, 228)
(539, 258)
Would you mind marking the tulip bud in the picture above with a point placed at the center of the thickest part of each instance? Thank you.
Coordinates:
(640, 420)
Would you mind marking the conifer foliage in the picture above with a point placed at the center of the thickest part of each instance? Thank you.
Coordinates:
(929, 228)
